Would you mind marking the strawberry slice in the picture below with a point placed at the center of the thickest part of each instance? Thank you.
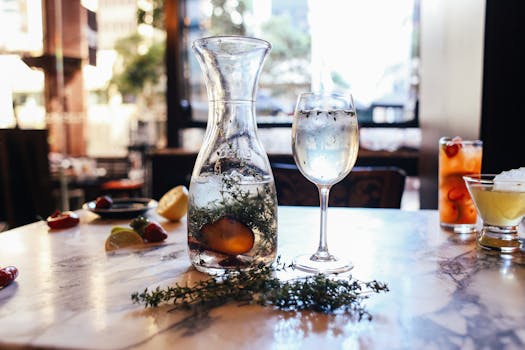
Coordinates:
(61, 220)
(103, 202)
(452, 147)
(154, 232)
(7, 275)
(456, 194)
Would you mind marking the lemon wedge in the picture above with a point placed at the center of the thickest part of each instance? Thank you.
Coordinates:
(122, 239)
(119, 228)
(173, 205)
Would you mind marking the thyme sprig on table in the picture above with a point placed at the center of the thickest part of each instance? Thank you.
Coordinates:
(259, 285)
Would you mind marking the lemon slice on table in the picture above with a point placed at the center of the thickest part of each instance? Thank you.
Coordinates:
(119, 228)
(123, 239)
(173, 205)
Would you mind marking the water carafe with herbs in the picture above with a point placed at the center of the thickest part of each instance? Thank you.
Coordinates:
(232, 214)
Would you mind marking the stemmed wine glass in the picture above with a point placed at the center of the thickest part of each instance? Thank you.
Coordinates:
(325, 142)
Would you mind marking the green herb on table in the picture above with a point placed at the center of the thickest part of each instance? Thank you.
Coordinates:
(259, 285)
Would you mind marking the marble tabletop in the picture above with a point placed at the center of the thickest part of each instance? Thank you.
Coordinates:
(445, 293)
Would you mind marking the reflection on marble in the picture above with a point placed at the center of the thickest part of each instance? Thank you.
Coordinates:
(445, 293)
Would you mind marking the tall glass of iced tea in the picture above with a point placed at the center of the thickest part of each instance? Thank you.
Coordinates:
(457, 158)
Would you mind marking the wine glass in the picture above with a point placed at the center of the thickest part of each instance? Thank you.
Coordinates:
(325, 142)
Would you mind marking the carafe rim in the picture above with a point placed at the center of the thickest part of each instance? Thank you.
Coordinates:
(263, 42)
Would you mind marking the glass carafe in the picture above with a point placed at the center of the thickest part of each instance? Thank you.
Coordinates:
(232, 214)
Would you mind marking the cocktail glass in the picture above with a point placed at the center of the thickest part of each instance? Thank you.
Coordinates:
(501, 206)
(457, 158)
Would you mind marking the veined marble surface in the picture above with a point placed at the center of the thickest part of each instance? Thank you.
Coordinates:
(445, 293)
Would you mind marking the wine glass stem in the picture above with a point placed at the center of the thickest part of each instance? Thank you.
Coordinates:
(322, 250)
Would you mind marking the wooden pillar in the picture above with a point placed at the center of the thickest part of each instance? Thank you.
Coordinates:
(178, 112)
(65, 50)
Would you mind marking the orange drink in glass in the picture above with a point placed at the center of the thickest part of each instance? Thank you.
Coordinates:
(457, 158)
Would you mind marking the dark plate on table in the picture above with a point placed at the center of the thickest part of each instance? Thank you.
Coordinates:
(123, 208)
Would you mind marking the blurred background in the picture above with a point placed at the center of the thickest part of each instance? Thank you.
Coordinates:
(118, 47)
(113, 83)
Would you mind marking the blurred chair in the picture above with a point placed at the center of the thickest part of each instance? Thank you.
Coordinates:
(371, 187)
(25, 182)
(169, 168)
(113, 168)
(116, 181)
(123, 188)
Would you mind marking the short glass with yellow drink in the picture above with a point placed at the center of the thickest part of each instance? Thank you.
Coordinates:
(500, 200)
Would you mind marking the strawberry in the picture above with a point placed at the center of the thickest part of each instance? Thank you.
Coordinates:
(452, 146)
(60, 220)
(451, 149)
(154, 232)
(7, 275)
(103, 202)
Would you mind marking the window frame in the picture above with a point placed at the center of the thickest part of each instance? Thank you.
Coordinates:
(179, 112)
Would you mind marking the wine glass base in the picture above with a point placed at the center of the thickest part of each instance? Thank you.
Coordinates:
(331, 264)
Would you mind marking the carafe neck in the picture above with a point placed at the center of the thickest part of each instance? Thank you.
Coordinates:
(233, 114)
(231, 66)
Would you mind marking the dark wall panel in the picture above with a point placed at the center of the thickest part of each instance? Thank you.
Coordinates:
(503, 101)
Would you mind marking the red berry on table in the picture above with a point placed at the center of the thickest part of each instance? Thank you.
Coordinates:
(60, 220)
(103, 202)
(7, 275)
(154, 233)
(5, 278)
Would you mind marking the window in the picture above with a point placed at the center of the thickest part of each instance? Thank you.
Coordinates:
(21, 88)
(115, 104)
(368, 47)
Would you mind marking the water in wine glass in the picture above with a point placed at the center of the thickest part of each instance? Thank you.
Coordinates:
(325, 144)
